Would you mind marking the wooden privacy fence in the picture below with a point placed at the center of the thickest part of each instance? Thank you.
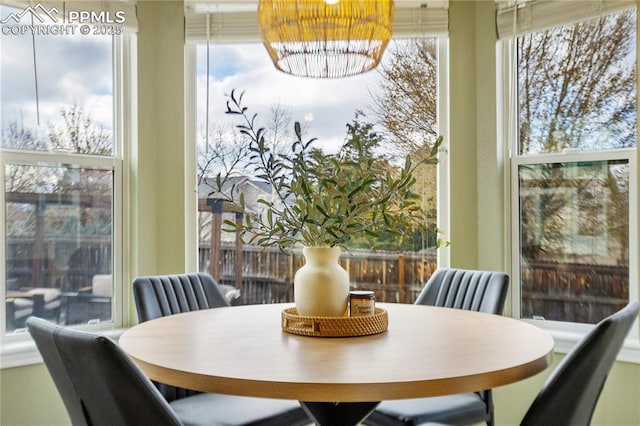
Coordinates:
(394, 276)
(573, 292)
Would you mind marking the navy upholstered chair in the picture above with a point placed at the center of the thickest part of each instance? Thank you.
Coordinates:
(101, 386)
(571, 392)
(162, 295)
(482, 291)
(98, 383)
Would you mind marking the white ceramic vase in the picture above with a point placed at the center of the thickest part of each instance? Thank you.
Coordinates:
(321, 285)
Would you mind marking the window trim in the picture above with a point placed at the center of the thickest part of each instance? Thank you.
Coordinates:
(443, 188)
(18, 349)
(565, 334)
(532, 15)
(205, 22)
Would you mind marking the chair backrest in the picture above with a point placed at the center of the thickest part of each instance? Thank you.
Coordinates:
(482, 291)
(570, 394)
(162, 295)
(99, 383)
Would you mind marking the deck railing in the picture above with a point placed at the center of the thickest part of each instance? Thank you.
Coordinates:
(394, 276)
(575, 292)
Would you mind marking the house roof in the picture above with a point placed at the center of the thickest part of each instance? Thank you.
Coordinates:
(208, 187)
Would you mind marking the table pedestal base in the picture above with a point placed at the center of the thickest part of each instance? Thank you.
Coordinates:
(338, 413)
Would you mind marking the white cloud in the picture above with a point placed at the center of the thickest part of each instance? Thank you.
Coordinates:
(78, 70)
(331, 101)
(69, 70)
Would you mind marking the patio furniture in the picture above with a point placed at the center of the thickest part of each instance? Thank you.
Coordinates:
(89, 304)
(41, 302)
(261, 289)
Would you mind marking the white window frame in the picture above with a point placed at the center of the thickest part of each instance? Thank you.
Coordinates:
(18, 349)
(565, 334)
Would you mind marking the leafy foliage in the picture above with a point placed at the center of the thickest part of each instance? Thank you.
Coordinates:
(405, 102)
(80, 134)
(404, 107)
(577, 86)
(323, 199)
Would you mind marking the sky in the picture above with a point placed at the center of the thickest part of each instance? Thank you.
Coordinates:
(70, 70)
(78, 70)
(247, 67)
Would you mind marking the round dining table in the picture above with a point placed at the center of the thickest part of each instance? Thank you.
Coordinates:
(425, 351)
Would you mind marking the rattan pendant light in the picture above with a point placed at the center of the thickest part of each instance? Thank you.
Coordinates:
(325, 38)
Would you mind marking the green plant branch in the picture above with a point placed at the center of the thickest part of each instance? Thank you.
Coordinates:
(322, 199)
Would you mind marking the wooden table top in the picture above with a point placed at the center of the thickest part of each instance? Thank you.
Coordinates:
(426, 351)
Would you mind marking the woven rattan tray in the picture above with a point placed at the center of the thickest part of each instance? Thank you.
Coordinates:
(334, 326)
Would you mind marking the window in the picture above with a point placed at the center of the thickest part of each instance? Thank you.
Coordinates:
(61, 147)
(330, 110)
(573, 167)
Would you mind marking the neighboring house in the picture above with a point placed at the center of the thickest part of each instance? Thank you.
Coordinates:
(253, 190)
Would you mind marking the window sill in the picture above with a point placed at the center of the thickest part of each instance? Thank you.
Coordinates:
(566, 340)
(24, 352)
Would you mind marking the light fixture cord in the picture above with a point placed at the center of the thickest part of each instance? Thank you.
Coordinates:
(207, 86)
(35, 72)
(512, 140)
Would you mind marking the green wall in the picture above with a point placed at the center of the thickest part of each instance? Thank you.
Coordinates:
(157, 181)
(462, 144)
(157, 168)
(29, 397)
(618, 404)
